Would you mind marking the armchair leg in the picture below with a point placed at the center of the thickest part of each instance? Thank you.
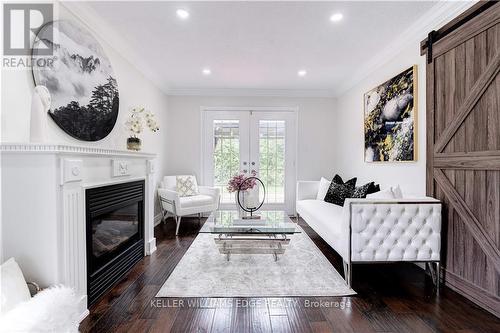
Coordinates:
(199, 219)
(178, 221)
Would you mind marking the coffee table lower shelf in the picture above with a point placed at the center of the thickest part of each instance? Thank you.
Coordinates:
(274, 244)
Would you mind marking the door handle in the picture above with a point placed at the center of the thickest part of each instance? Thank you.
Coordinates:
(245, 163)
(253, 163)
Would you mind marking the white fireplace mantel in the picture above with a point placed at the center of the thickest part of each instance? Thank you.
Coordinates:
(43, 206)
(70, 149)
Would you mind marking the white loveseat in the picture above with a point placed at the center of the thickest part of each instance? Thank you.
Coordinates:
(375, 230)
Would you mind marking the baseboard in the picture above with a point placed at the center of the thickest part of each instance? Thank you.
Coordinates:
(157, 219)
(83, 315)
(475, 294)
(82, 308)
(151, 246)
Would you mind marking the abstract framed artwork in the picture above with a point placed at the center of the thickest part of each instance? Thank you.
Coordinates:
(80, 80)
(390, 119)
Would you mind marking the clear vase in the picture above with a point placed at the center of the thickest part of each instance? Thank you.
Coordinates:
(243, 195)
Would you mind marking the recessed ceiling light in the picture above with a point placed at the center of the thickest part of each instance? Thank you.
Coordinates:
(336, 17)
(182, 14)
(206, 71)
(302, 72)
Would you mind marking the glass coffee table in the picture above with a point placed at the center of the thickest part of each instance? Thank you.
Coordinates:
(267, 235)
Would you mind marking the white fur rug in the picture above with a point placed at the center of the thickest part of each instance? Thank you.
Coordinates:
(51, 310)
(302, 271)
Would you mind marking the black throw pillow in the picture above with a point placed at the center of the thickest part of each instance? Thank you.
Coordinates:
(337, 193)
(337, 179)
(373, 188)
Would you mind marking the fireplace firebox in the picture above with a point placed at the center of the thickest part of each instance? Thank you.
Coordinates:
(115, 234)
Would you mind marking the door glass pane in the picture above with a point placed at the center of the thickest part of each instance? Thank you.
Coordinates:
(272, 159)
(226, 155)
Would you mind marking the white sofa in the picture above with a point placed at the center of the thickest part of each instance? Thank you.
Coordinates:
(207, 200)
(375, 230)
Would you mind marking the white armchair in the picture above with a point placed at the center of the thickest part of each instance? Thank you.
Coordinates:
(207, 200)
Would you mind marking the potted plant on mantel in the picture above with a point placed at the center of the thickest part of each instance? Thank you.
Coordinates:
(134, 125)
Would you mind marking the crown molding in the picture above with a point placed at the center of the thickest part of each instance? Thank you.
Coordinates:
(440, 14)
(93, 21)
(242, 92)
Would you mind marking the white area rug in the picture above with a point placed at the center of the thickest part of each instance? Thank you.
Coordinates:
(302, 271)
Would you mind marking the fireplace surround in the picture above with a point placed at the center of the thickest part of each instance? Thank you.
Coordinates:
(48, 238)
(114, 234)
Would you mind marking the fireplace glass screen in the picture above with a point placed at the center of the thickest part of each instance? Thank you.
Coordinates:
(113, 229)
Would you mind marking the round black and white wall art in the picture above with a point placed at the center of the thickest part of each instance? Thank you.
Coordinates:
(80, 80)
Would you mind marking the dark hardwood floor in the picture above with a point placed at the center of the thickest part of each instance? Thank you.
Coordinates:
(391, 298)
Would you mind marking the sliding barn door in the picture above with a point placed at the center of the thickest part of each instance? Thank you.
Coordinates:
(463, 151)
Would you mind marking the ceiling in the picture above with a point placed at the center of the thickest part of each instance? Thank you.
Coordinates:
(257, 45)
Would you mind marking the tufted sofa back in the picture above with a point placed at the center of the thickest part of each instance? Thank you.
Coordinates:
(396, 231)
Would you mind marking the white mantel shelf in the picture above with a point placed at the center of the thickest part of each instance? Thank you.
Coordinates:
(70, 149)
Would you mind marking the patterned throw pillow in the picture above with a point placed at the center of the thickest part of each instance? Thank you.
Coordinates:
(362, 191)
(186, 186)
(337, 193)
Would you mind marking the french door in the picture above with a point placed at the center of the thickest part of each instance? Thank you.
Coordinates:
(247, 142)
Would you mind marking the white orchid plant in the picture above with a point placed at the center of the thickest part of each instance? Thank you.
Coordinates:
(136, 118)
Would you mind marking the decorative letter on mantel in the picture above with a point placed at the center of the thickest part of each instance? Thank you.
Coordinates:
(120, 168)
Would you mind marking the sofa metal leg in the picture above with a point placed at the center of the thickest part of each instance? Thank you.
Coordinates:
(178, 220)
(199, 219)
(437, 281)
(433, 268)
(347, 273)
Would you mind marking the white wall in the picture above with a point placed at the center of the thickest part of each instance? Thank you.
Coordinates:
(349, 129)
(315, 126)
(134, 89)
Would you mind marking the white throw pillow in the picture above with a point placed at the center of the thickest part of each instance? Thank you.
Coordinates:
(187, 186)
(385, 194)
(398, 194)
(13, 287)
(324, 185)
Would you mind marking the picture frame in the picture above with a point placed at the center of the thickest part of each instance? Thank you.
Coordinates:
(390, 119)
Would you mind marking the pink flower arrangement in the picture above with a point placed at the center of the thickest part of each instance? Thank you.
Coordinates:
(241, 182)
